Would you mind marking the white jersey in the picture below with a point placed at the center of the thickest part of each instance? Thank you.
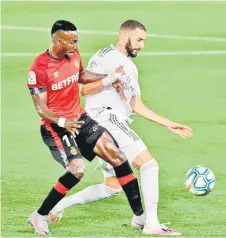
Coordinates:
(106, 61)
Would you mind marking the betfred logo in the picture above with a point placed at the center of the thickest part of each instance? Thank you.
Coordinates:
(66, 82)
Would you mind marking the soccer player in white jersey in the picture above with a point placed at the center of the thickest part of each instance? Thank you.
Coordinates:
(112, 108)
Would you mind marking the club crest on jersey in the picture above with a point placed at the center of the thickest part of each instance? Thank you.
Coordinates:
(32, 78)
(73, 151)
(93, 65)
(76, 63)
(56, 74)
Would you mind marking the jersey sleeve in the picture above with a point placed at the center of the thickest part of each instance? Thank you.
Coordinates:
(36, 81)
(136, 91)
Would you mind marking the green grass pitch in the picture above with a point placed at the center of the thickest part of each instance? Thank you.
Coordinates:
(190, 89)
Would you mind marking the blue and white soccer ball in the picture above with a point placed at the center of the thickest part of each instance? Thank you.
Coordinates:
(200, 180)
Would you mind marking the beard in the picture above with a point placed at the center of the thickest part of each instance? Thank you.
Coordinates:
(130, 49)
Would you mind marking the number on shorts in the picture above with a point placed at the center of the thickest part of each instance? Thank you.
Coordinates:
(66, 139)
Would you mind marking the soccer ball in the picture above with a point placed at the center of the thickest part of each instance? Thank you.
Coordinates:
(200, 180)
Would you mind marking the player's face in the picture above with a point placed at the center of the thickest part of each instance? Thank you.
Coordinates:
(135, 42)
(68, 41)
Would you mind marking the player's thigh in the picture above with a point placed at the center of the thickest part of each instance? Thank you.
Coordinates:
(128, 141)
(61, 145)
(94, 139)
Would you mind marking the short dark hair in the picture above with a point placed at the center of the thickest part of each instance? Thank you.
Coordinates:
(63, 25)
(132, 25)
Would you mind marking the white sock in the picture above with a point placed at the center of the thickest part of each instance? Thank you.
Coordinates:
(150, 189)
(90, 194)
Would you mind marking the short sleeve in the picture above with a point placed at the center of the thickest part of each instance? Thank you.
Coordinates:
(136, 91)
(36, 81)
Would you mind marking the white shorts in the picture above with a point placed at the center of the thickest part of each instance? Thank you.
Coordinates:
(129, 142)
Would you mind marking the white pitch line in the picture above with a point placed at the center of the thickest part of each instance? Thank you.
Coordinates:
(24, 28)
(174, 53)
(151, 53)
(23, 54)
(113, 1)
(112, 33)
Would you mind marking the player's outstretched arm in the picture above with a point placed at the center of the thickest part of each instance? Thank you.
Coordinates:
(97, 86)
(140, 109)
(91, 88)
(87, 76)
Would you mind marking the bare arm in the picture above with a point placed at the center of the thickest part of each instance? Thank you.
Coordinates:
(91, 82)
(139, 108)
(94, 85)
(91, 88)
(87, 76)
(72, 125)
(39, 101)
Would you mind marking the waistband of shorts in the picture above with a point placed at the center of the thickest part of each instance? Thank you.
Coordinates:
(103, 109)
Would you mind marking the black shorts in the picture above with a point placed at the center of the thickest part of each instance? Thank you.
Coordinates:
(65, 148)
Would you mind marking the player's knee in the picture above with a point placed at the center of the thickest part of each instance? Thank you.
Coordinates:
(77, 168)
(153, 163)
(150, 164)
(78, 174)
(144, 158)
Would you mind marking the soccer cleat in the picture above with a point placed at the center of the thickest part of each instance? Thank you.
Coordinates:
(39, 223)
(55, 216)
(163, 231)
(138, 222)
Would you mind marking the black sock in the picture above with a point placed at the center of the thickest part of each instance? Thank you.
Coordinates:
(129, 183)
(64, 184)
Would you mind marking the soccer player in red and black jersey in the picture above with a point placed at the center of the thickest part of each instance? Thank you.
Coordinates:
(65, 127)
